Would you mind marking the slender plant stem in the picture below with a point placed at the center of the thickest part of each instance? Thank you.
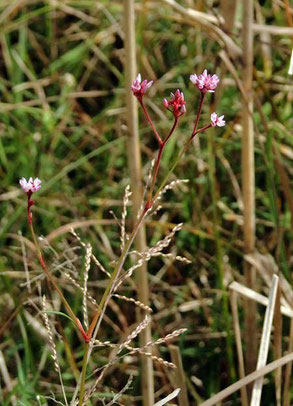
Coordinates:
(150, 122)
(83, 374)
(248, 187)
(202, 96)
(157, 163)
(172, 130)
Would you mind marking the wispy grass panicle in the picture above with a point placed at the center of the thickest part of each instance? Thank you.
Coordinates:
(52, 346)
(88, 255)
(123, 235)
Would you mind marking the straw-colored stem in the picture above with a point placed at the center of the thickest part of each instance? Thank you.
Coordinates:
(134, 159)
(278, 324)
(248, 187)
(288, 370)
(179, 375)
(236, 323)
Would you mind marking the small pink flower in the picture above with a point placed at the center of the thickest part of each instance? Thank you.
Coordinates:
(139, 88)
(30, 186)
(176, 104)
(217, 121)
(204, 82)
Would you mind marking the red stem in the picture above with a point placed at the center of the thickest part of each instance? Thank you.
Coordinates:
(159, 139)
(157, 164)
(171, 131)
(202, 95)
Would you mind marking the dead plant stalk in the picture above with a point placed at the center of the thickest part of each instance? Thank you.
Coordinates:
(137, 191)
(248, 181)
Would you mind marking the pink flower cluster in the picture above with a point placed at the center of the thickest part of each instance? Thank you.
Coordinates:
(30, 186)
(217, 121)
(139, 88)
(176, 104)
(204, 82)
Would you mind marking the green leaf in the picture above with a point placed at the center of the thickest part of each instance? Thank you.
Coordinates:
(60, 314)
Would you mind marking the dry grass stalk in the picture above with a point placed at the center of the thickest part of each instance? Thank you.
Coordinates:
(265, 341)
(248, 181)
(290, 69)
(257, 297)
(234, 307)
(168, 398)
(179, 375)
(278, 324)
(5, 374)
(288, 370)
(137, 189)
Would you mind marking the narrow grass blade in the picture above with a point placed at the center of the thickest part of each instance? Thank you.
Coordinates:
(169, 397)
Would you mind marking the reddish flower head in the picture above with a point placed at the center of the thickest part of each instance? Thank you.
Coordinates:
(139, 88)
(217, 121)
(30, 186)
(176, 104)
(204, 82)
